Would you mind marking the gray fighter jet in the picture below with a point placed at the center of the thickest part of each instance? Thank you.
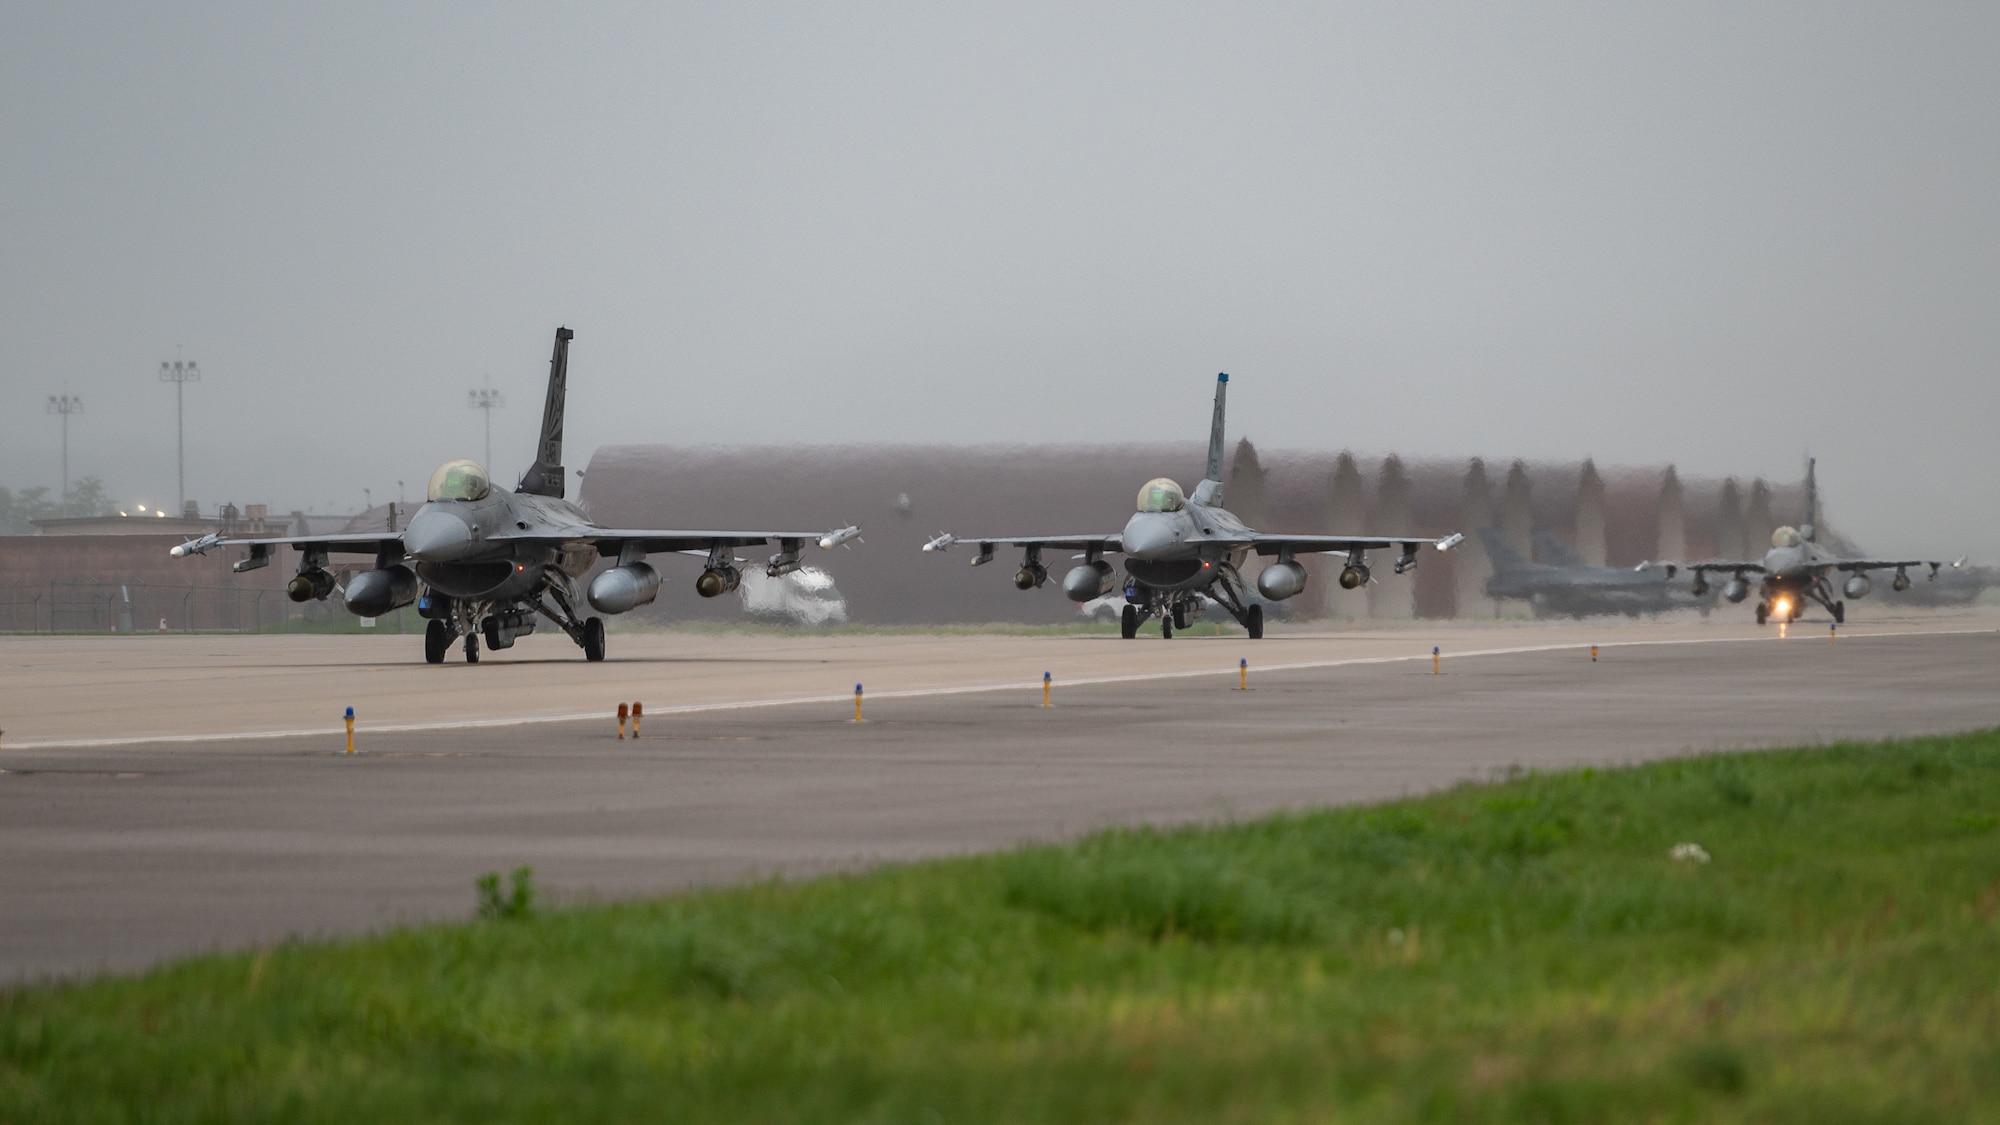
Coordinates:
(480, 561)
(1796, 569)
(1562, 583)
(1179, 548)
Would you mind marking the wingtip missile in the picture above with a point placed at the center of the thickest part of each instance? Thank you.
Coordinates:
(943, 542)
(839, 536)
(1450, 541)
(196, 546)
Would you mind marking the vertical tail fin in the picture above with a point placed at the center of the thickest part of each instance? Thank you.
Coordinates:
(1812, 497)
(545, 476)
(1209, 492)
(1215, 428)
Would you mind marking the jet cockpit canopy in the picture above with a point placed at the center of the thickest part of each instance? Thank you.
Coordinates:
(460, 479)
(1785, 537)
(1161, 495)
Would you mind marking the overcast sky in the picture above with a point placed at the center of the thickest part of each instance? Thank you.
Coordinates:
(1714, 234)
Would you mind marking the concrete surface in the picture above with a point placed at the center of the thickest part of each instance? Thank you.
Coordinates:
(121, 849)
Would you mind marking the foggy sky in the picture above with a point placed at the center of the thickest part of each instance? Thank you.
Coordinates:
(1719, 234)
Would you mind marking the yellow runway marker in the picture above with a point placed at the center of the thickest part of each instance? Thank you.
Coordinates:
(350, 730)
(857, 703)
(1046, 682)
(622, 712)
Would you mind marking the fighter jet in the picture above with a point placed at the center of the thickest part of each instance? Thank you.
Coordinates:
(1796, 570)
(1562, 583)
(480, 561)
(1182, 551)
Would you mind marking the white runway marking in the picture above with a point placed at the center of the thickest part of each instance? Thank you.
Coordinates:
(915, 693)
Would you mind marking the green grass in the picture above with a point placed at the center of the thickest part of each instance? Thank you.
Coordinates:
(1524, 951)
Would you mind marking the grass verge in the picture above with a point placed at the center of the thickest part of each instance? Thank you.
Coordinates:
(1519, 951)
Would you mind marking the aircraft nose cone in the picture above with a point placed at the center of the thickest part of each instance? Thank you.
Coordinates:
(436, 536)
(1148, 536)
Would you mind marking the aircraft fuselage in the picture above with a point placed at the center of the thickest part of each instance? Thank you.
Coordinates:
(1173, 551)
(461, 547)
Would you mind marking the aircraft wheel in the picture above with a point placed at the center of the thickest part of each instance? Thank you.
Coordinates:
(593, 638)
(472, 648)
(437, 640)
(1253, 620)
(1763, 613)
(1840, 613)
(1166, 627)
(1128, 622)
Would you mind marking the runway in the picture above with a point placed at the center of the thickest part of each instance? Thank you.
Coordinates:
(165, 795)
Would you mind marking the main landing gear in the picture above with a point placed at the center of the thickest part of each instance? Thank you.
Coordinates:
(1182, 608)
(452, 618)
(1795, 604)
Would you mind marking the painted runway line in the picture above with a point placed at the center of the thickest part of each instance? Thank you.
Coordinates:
(922, 693)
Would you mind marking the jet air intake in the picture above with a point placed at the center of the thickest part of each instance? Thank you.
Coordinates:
(624, 588)
(1283, 580)
(1091, 580)
(373, 593)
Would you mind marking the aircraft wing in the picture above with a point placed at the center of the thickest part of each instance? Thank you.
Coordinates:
(351, 543)
(611, 540)
(1267, 543)
(1108, 543)
(1733, 566)
(1885, 564)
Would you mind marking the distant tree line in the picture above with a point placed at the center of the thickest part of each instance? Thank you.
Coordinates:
(19, 510)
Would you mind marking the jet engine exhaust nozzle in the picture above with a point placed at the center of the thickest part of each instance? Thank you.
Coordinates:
(624, 588)
(1282, 580)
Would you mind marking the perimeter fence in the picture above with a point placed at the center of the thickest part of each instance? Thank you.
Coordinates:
(136, 606)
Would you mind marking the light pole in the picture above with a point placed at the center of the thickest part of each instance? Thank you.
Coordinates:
(486, 400)
(180, 375)
(65, 405)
